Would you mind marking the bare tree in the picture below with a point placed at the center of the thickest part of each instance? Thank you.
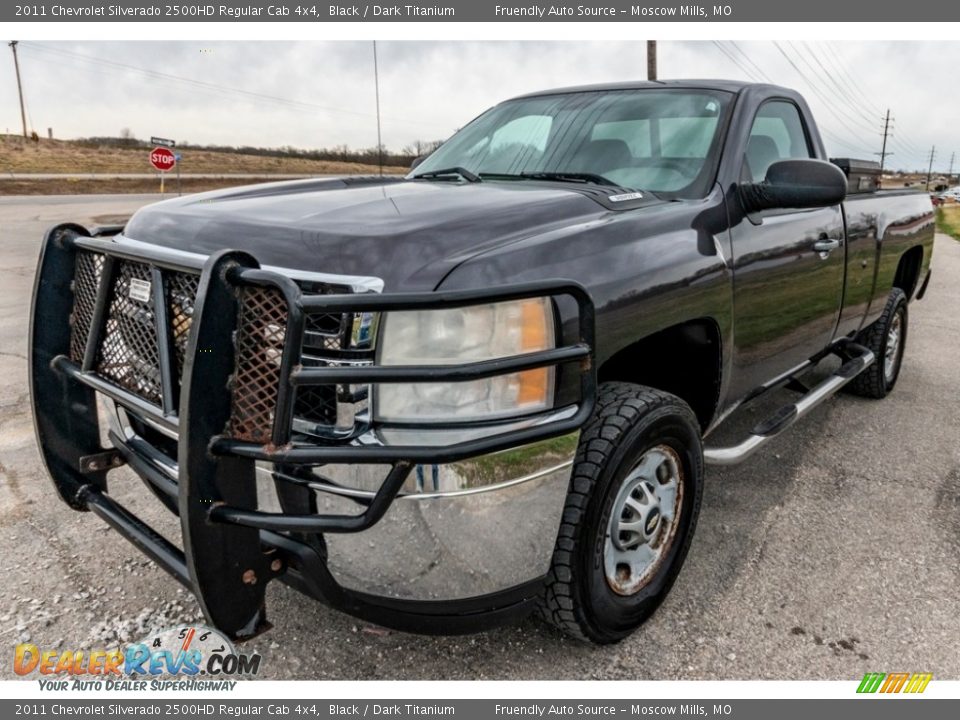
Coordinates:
(127, 137)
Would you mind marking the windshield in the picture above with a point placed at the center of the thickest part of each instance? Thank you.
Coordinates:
(662, 141)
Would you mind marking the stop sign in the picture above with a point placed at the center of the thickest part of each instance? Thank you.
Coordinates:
(162, 159)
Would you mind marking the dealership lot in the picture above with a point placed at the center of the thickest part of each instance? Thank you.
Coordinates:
(831, 554)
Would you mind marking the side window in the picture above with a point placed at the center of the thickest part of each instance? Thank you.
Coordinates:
(777, 134)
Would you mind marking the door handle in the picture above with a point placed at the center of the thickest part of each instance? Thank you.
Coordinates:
(826, 245)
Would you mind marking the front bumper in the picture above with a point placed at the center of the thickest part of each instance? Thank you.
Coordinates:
(210, 415)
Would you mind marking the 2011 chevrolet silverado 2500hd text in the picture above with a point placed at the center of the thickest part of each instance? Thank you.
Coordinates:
(441, 401)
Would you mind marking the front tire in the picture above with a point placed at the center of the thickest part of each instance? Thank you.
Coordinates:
(887, 338)
(630, 514)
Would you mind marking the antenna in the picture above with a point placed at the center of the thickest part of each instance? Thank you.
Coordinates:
(376, 84)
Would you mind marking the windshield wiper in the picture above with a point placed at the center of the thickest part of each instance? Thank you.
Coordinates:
(457, 170)
(584, 177)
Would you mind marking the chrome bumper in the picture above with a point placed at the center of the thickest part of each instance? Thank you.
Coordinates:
(458, 530)
(489, 524)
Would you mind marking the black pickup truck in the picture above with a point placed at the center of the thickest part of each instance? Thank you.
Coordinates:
(444, 400)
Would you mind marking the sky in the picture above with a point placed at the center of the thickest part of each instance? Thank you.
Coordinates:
(321, 94)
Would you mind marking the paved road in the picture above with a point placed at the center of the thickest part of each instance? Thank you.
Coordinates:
(830, 554)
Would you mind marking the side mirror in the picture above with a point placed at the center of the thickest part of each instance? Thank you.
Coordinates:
(796, 184)
(417, 161)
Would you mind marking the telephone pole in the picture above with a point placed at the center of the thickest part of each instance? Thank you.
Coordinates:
(886, 133)
(933, 153)
(16, 65)
(651, 59)
(950, 173)
(376, 85)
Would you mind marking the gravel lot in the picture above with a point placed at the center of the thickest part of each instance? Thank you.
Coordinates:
(828, 555)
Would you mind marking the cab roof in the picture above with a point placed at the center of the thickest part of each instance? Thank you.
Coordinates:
(732, 86)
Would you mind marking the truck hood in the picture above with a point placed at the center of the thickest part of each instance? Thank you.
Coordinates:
(408, 233)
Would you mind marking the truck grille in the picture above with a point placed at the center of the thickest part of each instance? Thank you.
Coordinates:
(260, 339)
(86, 280)
(261, 331)
(129, 355)
(180, 293)
(129, 350)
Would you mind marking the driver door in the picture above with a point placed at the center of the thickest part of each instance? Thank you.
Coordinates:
(788, 265)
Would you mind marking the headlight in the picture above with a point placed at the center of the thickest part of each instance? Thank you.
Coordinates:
(464, 335)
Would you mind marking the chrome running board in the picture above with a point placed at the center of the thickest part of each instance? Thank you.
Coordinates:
(783, 418)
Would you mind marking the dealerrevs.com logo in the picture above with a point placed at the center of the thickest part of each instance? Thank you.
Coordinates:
(191, 657)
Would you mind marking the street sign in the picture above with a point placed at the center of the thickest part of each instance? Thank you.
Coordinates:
(162, 159)
(162, 141)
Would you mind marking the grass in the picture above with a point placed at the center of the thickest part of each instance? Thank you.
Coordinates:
(59, 156)
(948, 220)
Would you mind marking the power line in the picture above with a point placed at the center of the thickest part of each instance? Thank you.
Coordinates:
(841, 93)
(909, 156)
(822, 89)
(835, 139)
(750, 61)
(902, 141)
(736, 62)
(816, 91)
(200, 84)
(848, 79)
(758, 74)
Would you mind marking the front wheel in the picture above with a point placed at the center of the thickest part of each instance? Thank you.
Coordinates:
(630, 514)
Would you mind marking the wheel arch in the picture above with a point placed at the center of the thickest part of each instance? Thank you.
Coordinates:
(684, 359)
(907, 277)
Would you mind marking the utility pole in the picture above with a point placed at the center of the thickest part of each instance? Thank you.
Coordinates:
(950, 173)
(376, 85)
(651, 59)
(933, 153)
(16, 65)
(886, 132)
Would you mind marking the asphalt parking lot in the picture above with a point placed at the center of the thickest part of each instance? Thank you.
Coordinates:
(830, 554)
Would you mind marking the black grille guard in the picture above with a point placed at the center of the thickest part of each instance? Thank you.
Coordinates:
(230, 548)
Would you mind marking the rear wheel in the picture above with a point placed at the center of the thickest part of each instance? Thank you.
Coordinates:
(887, 338)
(630, 514)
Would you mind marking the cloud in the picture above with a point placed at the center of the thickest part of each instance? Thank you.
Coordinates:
(316, 94)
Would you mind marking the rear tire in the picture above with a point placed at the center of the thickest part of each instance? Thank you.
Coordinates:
(630, 514)
(887, 338)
